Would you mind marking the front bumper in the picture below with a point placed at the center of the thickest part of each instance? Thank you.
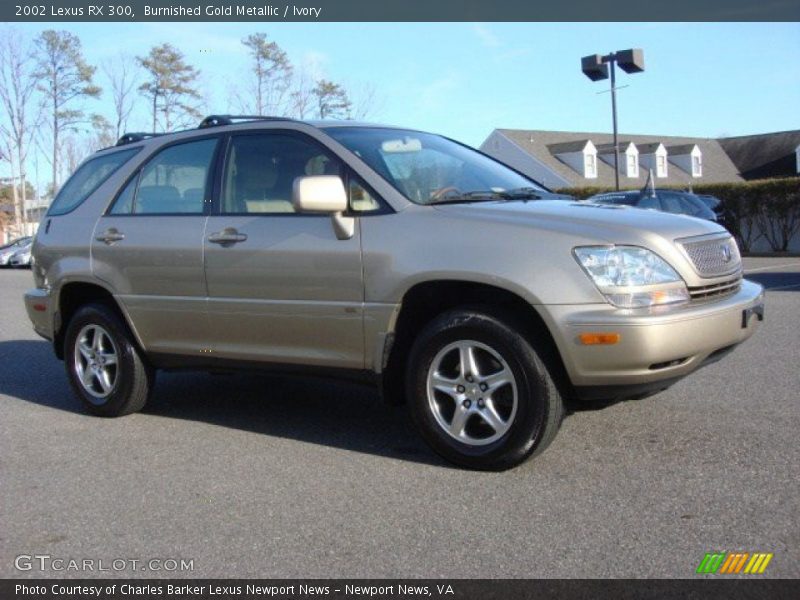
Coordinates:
(38, 304)
(654, 345)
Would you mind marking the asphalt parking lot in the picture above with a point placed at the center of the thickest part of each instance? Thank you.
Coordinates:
(251, 475)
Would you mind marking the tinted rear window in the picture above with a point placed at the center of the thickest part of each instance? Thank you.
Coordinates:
(87, 179)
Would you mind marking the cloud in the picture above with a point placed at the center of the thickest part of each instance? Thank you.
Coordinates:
(496, 45)
(486, 37)
(436, 93)
(314, 63)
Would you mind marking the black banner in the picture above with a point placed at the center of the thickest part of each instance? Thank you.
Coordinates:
(338, 589)
(400, 10)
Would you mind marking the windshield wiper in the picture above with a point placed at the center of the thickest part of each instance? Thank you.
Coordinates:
(522, 193)
(474, 196)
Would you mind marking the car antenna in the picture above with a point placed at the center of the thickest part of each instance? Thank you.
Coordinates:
(649, 189)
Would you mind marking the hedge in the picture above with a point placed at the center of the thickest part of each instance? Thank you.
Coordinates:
(764, 208)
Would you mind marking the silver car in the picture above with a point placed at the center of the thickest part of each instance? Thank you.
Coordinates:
(10, 249)
(22, 256)
(453, 282)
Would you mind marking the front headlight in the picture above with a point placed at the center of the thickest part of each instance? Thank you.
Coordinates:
(632, 277)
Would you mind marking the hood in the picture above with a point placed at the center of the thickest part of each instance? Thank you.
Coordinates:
(609, 224)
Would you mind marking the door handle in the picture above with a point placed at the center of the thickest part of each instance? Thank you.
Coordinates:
(229, 235)
(109, 236)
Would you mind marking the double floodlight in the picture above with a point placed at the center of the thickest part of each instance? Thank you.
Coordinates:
(595, 66)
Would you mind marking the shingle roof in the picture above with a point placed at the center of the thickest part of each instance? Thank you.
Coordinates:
(565, 147)
(680, 149)
(764, 155)
(648, 148)
(717, 167)
(609, 148)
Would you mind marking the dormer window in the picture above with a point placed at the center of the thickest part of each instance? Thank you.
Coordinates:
(697, 165)
(628, 157)
(590, 166)
(632, 165)
(653, 157)
(687, 157)
(580, 156)
(661, 165)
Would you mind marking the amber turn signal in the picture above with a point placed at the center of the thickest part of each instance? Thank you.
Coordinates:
(593, 339)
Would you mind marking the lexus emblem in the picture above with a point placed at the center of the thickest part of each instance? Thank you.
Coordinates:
(726, 254)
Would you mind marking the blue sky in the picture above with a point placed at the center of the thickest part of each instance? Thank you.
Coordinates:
(465, 79)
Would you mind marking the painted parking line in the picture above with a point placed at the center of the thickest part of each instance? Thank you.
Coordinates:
(783, 287)
(792, 264)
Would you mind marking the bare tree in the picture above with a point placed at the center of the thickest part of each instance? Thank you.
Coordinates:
(17, 95)
(123, 74)
(6, 152)
(301, 98)
(366, 102)
(170, 86)
(74, 151)
(102, 135)
(271, 76)
(65, 78)
(332, 100)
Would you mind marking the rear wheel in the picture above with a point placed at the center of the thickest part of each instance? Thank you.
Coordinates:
(478, 391)
(104, 365)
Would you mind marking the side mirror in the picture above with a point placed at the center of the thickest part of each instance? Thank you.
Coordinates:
(319, 194)
(324, 194)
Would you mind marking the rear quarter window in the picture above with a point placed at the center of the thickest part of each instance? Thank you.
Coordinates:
(89, 176)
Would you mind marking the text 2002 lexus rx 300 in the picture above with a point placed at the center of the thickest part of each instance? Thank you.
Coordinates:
(454, 282)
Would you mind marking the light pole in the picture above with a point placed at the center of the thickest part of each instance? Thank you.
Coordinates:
(595, 67)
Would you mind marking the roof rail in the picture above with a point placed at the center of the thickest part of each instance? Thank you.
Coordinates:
(219, 120)
(130, 138)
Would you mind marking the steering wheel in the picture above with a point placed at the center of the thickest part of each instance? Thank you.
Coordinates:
(441, 192)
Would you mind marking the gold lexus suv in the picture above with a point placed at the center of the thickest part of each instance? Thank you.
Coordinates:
(453, 282)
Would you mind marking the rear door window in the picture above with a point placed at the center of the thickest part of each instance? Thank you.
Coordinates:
(89, 176)
(175, 181)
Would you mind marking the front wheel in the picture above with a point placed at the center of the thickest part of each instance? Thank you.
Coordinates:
(479, 393)
(104, 365)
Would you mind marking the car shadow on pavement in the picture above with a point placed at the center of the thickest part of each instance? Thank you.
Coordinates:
(780, 282)
(314, 410)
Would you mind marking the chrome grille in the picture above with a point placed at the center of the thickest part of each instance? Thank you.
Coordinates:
(724, 288)
(713, 257)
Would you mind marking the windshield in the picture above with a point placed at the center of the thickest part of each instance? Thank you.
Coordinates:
(430, 169)
(16, 243)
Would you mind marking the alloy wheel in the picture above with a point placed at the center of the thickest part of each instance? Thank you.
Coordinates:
(96, 362)
(472, 392)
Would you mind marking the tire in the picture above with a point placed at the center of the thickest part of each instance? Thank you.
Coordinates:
(121, 382)
(498, 427)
